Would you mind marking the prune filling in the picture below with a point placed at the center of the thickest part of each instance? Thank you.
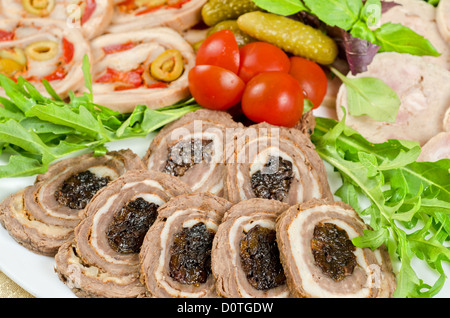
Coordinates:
(130, 224)
(260, 258)
(274, 181)
(190, 255)
(333, 251)
(187, 153)
(78, 190)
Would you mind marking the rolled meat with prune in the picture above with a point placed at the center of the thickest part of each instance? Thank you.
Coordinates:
(245, 256)
(132, 15)
(192, 149)
(319, 258)
(146, 67)
(43, 216)
(176, 253)
(91, 17)
(277, 163)
(103, 258)
(38, 49)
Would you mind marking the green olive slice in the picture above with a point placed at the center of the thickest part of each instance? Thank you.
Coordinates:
(15, 54)
(150, 3)
(41, 8)
(9, 67)
(168, 66)
(42, 50)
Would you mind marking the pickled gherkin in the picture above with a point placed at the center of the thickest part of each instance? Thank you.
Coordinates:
(215, 11)
(290, 35)
(242, 38)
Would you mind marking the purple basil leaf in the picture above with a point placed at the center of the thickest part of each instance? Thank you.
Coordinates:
(387, 5)
(359, 52)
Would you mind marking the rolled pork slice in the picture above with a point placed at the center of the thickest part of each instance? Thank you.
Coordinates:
(245, 256)
(103, 258)
(415, 81)
(192, 148)
(443, 19)
(42, 217)
(132, 15)
(272, 162)
(176, 253)
(438, 147)
(122, 76)
(319, 258)
(91, 17)
(38, 49)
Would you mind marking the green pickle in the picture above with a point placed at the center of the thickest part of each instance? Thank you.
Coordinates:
(242, 38)
(290, 35)
(215, 11)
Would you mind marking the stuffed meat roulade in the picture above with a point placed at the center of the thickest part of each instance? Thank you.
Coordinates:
(176, 253)
(38, 49)
(43, 216)
(192, 148)
(146, 67)
(272, 162)
(91, 17)
(103, 258)
(245, 256)
(319, 258)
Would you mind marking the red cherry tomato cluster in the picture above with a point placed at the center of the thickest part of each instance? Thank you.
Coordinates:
(270, 86)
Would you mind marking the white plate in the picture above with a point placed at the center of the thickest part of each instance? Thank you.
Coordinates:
(35, 273)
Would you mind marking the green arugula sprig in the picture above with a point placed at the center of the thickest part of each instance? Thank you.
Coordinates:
(409, 201)
(36, 130)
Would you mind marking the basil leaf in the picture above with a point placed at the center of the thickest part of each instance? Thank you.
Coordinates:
(340, 13)
(281, 7)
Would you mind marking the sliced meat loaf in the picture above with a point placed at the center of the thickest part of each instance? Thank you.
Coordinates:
(438, 147)
(103, 258)
(245, 256)
(319, 258)
(43, 216)
(272, 162)
(193, 149)
(176, 254)
(423, 88)
(443, 19)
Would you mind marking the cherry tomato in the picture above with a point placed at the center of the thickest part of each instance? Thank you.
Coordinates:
(273, 97)
(214, 87)
(220, 49)
(258, 57)
(311, 77)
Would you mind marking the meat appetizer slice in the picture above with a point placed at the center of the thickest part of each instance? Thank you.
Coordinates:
(272, 162)
(103, 258)
(438, 147)
(415, 81)
(245, 256)
(192, 149)
(443, 19)
(38, 49)
(131, 15)
(176, 253)
(148, 67)
(319, 258)
(91, 17)
(43, 216)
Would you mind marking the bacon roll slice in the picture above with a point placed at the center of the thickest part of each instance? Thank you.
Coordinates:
(43, 216)
(131, 15)
(192, 148)
(38, 49)
(176, 253)
(146, 67)
(91, 17)
(103, 258)
(272, 162)
(245, 256)
(319, 258)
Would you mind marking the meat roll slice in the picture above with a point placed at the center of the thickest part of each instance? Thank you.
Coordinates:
(319, 259)
(91, 17)
(131, 15)
(438, 147)
(148, 67)
(43, 216)
(245, 256)
(103, 258)
(415, 82)
(443, 19)
(192, 148)
(176, 253)
(39, 49)
(272, 162)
